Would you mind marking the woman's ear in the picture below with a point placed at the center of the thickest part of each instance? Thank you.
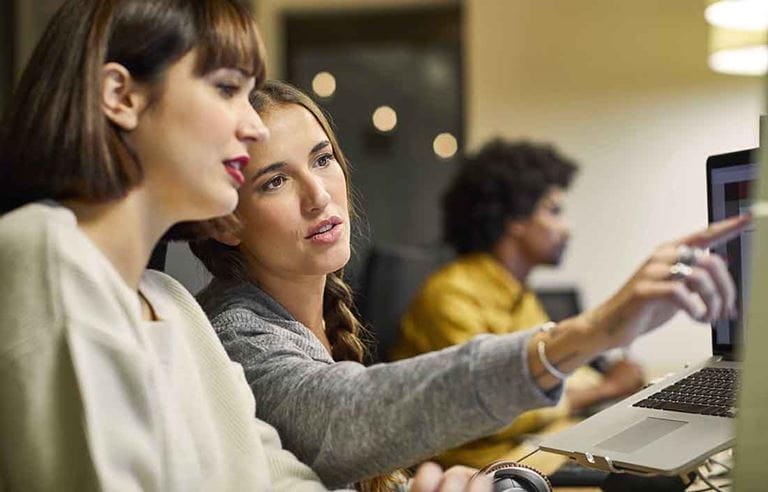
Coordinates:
(225, 229)
(122, 98)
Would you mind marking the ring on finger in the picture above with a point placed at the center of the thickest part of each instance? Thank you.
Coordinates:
(690, 256)
(680, 271)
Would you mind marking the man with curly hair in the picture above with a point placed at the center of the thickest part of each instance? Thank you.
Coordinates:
(503, 214)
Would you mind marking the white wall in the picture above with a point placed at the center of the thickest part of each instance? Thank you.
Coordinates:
(623, 87)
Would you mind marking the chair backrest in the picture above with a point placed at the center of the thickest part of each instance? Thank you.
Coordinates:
(559, 302)
(157, 260)
(393, 275)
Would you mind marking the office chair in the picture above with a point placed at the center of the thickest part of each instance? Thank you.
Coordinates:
(559, 302)
(391, 278)
(157, 260)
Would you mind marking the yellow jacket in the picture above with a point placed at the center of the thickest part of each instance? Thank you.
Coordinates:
(470, 296)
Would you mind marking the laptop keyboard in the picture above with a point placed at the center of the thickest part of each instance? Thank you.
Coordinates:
(709, 391)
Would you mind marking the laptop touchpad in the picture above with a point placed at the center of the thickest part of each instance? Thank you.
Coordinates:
(640, 434)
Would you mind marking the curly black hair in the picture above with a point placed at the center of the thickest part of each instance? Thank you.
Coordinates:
(503, 180)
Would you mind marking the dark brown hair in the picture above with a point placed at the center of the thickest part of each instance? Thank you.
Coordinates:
(502, 181)
(55, 142)
(227, 263)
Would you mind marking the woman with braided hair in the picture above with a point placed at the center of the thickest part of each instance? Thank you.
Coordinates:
(316, 308)
(279, 304)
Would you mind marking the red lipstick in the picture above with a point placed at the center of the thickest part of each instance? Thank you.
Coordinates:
(235, 168)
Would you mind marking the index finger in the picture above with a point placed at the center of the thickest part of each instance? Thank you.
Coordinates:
(427, 478)
(717, 233)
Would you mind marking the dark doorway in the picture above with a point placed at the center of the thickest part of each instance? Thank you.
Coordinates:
(7, 46)
(409, 60)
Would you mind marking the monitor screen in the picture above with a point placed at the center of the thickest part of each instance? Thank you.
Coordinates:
(730, 177)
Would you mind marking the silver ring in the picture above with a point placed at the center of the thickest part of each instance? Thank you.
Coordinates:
(689, 256)
(680, 271)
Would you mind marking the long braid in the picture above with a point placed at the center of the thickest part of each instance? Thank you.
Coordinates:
(341, 326)
(344, 332)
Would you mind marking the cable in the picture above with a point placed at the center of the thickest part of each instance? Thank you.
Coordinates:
(527, 456)
(708, 471)
(711, 485)
(728, 468)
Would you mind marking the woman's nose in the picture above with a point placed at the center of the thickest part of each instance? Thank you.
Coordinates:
(252, 127)
(316, 196)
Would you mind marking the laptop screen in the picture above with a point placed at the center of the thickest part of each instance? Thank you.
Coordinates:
(729, 179)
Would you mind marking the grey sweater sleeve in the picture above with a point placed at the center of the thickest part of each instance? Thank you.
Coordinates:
(350, 422)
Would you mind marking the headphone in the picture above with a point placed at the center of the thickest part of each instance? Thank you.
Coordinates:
(508, 476)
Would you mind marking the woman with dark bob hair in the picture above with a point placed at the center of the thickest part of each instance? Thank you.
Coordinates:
(132, 116)
(280, 305)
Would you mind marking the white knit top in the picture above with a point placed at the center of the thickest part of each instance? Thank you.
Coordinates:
(94, 397)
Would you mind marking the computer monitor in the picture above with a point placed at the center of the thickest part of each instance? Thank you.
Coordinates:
(730, 178)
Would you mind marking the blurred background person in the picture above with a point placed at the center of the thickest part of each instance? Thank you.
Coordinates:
(503, 214)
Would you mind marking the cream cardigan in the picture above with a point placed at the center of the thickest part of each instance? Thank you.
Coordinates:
(94, 398)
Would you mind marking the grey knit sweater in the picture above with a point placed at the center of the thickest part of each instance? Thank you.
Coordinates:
(350, 422)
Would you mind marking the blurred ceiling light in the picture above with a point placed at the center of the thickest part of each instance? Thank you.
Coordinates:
(737, 59)
(384, 119)
(738, 36)
(445, 145)
(748, 15)
(324, 84)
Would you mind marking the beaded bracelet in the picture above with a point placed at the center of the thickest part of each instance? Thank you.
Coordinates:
(554, 371)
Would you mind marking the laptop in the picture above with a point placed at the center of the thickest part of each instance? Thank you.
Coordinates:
(672, 426)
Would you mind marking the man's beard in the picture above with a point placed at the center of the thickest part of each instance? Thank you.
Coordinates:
(555, 258)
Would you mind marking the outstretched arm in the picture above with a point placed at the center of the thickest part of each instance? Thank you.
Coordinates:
(350, 422)
(649, 299)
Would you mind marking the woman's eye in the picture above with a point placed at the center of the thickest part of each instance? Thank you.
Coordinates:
(324, 160)
(228, 90)
(273, 183)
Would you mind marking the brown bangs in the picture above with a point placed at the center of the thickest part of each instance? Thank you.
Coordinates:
(229, 38)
